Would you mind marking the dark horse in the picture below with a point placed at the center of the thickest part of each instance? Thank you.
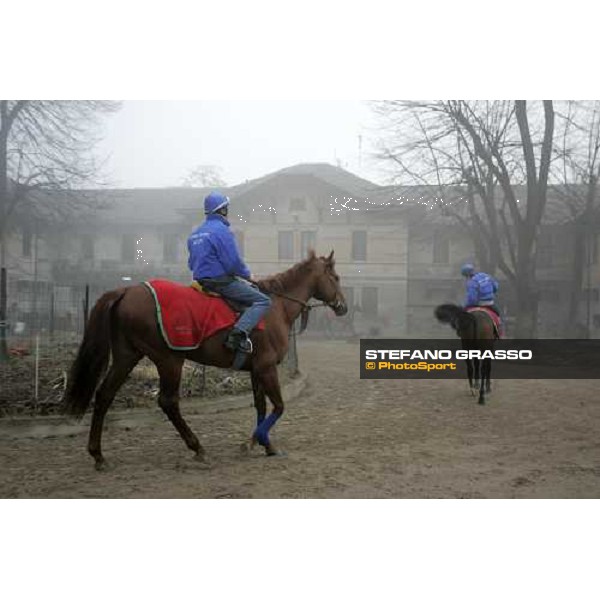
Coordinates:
(123, 325)
(477, 332)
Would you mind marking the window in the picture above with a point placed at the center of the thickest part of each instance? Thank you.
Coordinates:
(438, 293)
(593, 250)
(171, 248)
(359, 245)
(297, 204)
(553, 296)
(27, 237)
(441, 248)
(87, 247)
(545, 254)
(239, 240)
(286, 245)
(370, 303)
(308, 240)
(349, 296)
(128, 248)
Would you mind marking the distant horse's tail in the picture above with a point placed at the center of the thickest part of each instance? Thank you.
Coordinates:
(93, 356)
(454, 315)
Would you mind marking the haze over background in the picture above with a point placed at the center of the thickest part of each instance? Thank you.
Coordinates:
(157, 143)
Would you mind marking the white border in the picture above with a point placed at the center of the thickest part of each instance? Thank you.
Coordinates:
(326, 50)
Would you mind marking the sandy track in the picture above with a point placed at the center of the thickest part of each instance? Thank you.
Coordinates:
(345, 438)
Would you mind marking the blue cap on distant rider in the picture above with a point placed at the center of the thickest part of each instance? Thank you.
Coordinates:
(214, 202)
(467, 270)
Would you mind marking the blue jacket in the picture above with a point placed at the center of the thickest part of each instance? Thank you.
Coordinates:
(481, 288)
(213, 250)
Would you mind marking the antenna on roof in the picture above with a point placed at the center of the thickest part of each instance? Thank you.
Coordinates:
(360, 151)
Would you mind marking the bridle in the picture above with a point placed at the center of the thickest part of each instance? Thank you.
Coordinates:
(306, 306)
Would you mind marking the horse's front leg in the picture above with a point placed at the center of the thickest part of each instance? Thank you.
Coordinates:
(268, 380)
(486, 369)
(488, 376)
(260, 404)
(482, 386)
(477, 375)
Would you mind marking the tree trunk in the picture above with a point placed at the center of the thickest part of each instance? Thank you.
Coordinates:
(583, 232)
(526, 286)
(526, 324)
(3, 226)
(578, 266)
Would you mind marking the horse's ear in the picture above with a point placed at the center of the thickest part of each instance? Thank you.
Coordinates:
(329, 259)
(311, 254)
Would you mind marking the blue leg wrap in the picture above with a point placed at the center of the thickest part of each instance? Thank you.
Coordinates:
(262, 431)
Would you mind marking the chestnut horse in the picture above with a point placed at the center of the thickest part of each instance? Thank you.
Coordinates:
(477, 332)
(123, 325)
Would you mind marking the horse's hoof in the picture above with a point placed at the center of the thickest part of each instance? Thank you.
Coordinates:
(102, 466)
(275, 453)
(201, 462)
(247, 447)
(481, 402)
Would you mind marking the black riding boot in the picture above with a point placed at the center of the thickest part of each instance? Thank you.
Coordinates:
(238, 340)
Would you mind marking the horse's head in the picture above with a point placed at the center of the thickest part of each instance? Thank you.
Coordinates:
(327, 288)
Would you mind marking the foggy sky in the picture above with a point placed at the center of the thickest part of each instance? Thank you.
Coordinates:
(156, 143)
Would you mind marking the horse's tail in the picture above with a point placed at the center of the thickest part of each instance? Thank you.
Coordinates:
(454, 315)
(92, 357)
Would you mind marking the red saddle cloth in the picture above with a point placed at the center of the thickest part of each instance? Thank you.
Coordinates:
(488, 311)
(187, 317)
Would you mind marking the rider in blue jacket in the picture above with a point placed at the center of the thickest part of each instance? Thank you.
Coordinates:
(216, 264)
(481, 288)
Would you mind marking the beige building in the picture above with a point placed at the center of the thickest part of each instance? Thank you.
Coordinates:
(396, 259)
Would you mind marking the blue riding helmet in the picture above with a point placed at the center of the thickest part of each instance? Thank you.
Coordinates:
(467, 270)
(214, 201)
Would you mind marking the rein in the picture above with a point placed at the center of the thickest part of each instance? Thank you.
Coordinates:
(306, 307)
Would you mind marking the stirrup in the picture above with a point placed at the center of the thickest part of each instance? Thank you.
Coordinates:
(245, 345)
(239, 341)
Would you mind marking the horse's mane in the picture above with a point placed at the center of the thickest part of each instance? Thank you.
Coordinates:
(282, 282)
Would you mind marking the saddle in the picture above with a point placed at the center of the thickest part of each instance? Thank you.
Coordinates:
(236, 307)
(492, 315)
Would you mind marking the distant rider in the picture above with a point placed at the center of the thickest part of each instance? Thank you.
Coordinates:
(216, 264)
(481, 288)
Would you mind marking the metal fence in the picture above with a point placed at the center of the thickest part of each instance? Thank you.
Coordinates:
(44, 327)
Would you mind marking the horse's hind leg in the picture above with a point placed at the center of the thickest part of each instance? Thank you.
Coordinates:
(169, 371)
(123, 364)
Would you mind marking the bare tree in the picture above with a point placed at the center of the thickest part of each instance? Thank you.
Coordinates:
(489, 147)
(577, 168)
(44, 146)
(204, 176)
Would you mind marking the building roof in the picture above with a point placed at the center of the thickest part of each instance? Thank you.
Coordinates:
(337, 189)
(172, 205)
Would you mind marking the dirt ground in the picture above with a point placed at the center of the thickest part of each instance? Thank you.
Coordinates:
(344, 438)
